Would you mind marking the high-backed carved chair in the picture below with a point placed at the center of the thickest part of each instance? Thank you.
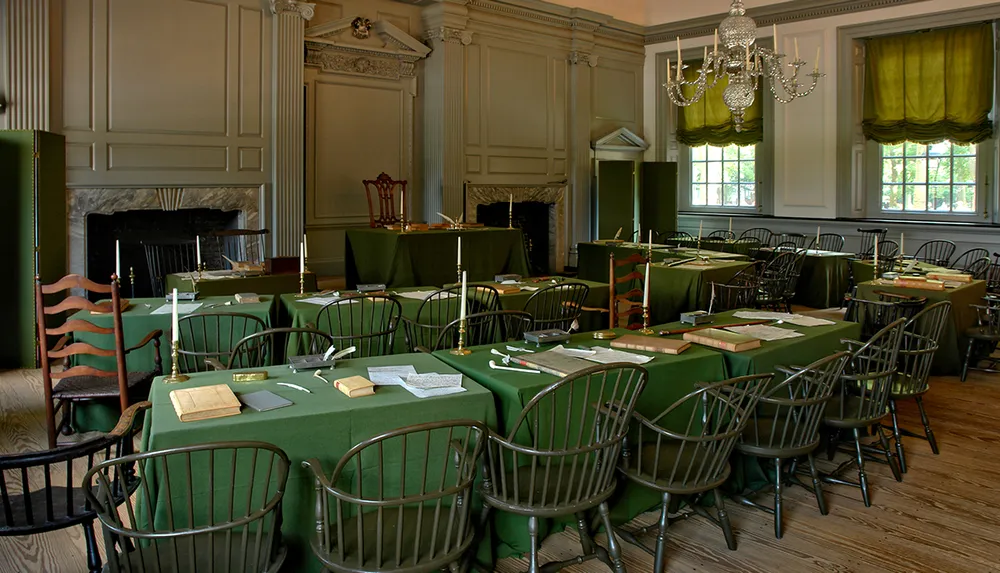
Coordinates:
(240, 245)
(79, 381)
(626, 307)
(684, 451)
(937, 252)
(384, 188)
(828, 242)
(760, 233)
(400, 501)
(785, 426)
(164, 259)
(557, 306)
(207, 340)
(442, 307)
(367, 322)
(198, 508)
(40, 493)
(867, 241)
(559, 456)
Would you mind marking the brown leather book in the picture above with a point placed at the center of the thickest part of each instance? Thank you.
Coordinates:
(919, 283)
(722, 339)
(204, 402)
(651, 344)
(506, 289)
(953, 277)
(355, 386)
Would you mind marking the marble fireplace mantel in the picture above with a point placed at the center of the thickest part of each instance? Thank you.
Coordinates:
(86, 201)
(553, 194)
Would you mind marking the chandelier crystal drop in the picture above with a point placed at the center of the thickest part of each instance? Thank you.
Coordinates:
(736, 56)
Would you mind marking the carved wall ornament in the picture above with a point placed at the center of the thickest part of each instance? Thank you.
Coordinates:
(304, 9)
(583, 58)
(361, 28)
(396, 57)
(446, 34)
(170, 198)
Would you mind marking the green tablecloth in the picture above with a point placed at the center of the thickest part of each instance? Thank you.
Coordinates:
(137, 322)
(324, 424)
(864, 271)
(670, 378)
(673, 290)
(707, 244)
(823, 281)
(223, 285)
(381, 256)
(818, 342)
(953, 344)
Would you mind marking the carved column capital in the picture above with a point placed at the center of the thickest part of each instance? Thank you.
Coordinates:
(304, 9)
(447, 34)
(583, 58)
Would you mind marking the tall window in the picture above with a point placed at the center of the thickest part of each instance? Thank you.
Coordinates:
(935, 178)
(723, 176)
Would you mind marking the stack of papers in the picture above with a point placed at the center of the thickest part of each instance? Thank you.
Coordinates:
(323, 300)
(420, 385)
(182, 308)
(764, 332)
(602, 355)
(796, 319)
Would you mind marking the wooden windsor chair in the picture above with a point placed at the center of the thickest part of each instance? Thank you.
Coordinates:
(760, 233)
(828, 242)
(937, 252)
(207, 340)
(442, 307)
(557, 306)
(484, 328)
(275, 345)
(367, 322)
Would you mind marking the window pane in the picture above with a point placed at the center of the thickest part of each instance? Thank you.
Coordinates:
(714, 194)
(730, 194)
(748, 195)
(730, 172)
(715, 172)
(748, 152)
(939, 170)
(942, 148)
(714, 153)
(748, 172)
(965, 170)
(916, 198)
(915, 149)
(964, 199)
(963, 150)
(697, 194)
(698, 172)
(892, 171)
(698, 153)
(892, 150)
(939, 198)
(731, 153)
(892, 197)
(915, 170)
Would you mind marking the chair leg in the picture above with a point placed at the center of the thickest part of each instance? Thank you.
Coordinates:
(727, 528)
(93, 555)
(820, 500)
(659, 560)
(777, 498)
(968, 358)
(898, 436)
(888, 453)
(583, 528)
(927, 425)
(533, 566)
(862, 478)
(614, 551)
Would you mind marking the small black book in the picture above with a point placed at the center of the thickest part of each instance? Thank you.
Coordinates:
(264, 400)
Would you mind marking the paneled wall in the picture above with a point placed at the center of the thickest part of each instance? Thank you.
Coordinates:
(157, 92)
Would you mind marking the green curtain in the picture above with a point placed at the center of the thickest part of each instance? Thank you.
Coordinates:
(709, 120)
(929, 87)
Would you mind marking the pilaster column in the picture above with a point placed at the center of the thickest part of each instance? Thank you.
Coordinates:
(444, 107)
(287, 147)
(581, 61)
(25, 74)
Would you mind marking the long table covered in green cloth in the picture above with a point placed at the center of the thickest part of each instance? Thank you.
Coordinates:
(682, 288)
(593, 257)
(953, 344)
(823, 281)
(324, 425)
(383, 256)
(137, 321)
(671, 377)
(222, 283)
(818, 342)
(864, 271)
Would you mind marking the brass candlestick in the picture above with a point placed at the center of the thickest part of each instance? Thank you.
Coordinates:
(131, 279)
(175, 372)
(302, 285)
(645, 321)
(459, 281)
(461, 350)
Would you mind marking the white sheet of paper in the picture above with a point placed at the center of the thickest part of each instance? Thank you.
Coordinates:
(764, 332)
(390, 375)
(764, 315)
(323, 301)
(608, 355)
(529, 288)
(574, 352)
(423, 294)
(809, 321)
(433, 380)
(182, 308)
(431, 392)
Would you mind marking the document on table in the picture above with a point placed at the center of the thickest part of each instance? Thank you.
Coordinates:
(424, 385)
(424, 294)
(323, 300)
(574, 352)
(764, 315)
(764, 332)
(608, 355)
(809, 321)
(207, 275)
(389, 375)
(182, 308)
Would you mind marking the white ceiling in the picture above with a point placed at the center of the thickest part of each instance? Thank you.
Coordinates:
(652, 12)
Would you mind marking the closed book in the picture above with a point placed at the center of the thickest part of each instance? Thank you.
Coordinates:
(722, 339)
(355, 386)
(552, 362)
(264, 400)
(919, 283)
(247, 297)
(953, 277)
(650, 344)
(506, 289)
(204, 402)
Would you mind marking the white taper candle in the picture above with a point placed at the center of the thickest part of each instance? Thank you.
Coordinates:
(459, 251)
(118, 259)
(902, 245)
(197, 250)
(461, 315)
(645, 288)
(650, 240)
(174, 329)
(302, 259)
(876, 256)
(700, 223)
(305, 246)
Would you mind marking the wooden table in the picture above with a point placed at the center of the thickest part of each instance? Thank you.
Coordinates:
(223, 283)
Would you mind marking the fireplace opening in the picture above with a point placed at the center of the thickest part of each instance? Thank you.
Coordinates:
(135, 227)
(534, 220)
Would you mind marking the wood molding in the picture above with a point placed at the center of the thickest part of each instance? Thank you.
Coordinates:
(782, 13)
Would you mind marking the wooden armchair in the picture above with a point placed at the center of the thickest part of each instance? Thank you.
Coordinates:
(626, 305)
(76, 380)
(384, 187)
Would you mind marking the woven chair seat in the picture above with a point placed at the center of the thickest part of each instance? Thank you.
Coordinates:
(669, 453)
(758, 439)
(199, 553)
(392, 536)
(91, 387)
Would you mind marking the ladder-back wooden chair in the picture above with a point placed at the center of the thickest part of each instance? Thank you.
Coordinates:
(625, 308)
(384, 188)
(77, 380)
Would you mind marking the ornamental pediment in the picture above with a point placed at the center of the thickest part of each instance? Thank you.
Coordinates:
(621, 139)
(361, 34)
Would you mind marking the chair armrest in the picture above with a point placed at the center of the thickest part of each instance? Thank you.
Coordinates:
(127, 419)
(592, 309)
(214, 364)
(851, 342)
(156, 334)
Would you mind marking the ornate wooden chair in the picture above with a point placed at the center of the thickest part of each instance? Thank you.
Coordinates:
(921, 339)
(414, 511)
(384, 187)
(40, 493)
(722, 234)
(964, 261)
(760, 233)
(274, 345)
(206, 507)
(367, 322)
(76, 382)
(163, 259)
(983, 338)
(207, 340)
(785, 426)
(684, 451)
(828, 242)
(625, 308)
(867, 243)
(937, 252)
(558, 458)
(484, 328)
(240, 245)
(557, 306)
(862, 402)
(442, 307)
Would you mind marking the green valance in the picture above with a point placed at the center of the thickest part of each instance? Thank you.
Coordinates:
(709, 120)
(929, 87)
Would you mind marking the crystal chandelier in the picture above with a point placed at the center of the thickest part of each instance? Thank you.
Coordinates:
(744, 63)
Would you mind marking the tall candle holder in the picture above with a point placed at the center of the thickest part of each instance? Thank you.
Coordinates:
(131, 279)
(645, 321)
(175, 372)
(302, 285)
(461, 350)
(459, 281)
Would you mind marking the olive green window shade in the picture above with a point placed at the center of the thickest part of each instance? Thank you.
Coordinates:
(709, 121)
(929, 87)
